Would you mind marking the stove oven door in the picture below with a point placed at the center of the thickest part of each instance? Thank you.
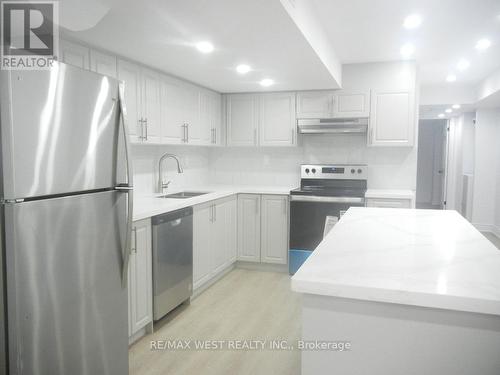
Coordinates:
(307, 222)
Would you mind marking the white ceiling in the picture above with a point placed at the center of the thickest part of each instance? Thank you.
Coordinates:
(261, 33)
(371, 30)
(162, 34)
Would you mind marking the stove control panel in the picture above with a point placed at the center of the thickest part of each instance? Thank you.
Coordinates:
(337, 171)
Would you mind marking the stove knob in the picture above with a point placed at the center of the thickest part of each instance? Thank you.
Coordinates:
(353, 170)
(313, 170)
(307, 170)
(360, 171)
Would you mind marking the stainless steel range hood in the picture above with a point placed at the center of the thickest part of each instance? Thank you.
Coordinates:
(333, 126)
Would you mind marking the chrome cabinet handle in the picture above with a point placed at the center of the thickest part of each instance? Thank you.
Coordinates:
(146, 126)
(134, 249)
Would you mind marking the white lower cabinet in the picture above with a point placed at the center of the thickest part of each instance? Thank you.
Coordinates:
(140, 295)
(263, 228)
(389, 203)
(214, 239)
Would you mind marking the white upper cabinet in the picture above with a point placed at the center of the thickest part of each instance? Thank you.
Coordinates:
(200, 132)
(315, 104)
(274, 238)
(150, 109)
(216, 135)
(351, 103)
(103, 63)
(142, 101)
(242, 119)
(74, 54)
(130, 74)
(172, 112)
(392, 118)
(277, 119)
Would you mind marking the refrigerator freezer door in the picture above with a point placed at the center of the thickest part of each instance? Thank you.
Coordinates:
(60, 131)
(67, 309)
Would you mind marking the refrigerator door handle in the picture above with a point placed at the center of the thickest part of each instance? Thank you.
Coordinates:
(127, 188)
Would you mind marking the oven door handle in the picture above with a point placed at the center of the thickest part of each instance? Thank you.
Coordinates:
(315, 198)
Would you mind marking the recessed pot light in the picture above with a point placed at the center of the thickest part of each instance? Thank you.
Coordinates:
(412, 21)
(441, 115)
(448, 110)
(407, 50)
(266, 82)
(243, 68)
(483, 44)
(463, 64)
(455, 106)
(451, 78)
(205, 47)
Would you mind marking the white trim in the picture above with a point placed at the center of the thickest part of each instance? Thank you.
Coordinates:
(483, 227)
(496, 230)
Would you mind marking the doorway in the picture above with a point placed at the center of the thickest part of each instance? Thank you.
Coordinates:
(431, 164)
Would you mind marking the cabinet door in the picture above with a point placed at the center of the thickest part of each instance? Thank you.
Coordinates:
(231, 231)
(219, 240)
(315, 104)
(392, 118)
(130, 74)
(249, 227)
(74, 54)
(151, 105)
(277, 119)
(191, 113)
(216, 118)
(202, 228)
(201, 132)
(242, 119)
(172, 112)
(141, 279)
(351, 104)
(274, 236)
(103, 63)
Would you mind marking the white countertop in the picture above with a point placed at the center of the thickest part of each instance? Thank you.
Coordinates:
(426, 258)
(149, 205)
(390, 193)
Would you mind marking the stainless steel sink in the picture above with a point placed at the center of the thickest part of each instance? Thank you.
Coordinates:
(184, 194)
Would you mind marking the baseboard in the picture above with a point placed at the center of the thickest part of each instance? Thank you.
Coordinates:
(496, 230)
(268, 267)
(483, 227)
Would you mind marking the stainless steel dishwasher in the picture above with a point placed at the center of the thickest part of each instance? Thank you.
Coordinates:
(172, 260)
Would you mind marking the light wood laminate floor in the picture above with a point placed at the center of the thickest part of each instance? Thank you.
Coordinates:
(244, 305)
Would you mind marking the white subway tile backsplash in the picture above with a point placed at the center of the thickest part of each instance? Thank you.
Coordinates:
(389, 168)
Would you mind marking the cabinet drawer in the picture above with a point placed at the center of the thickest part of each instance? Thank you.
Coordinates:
(388, 203)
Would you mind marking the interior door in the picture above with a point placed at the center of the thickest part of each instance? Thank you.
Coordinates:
(67, 307)
(61, 132)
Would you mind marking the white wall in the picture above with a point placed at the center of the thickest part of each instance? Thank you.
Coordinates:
(485, 211)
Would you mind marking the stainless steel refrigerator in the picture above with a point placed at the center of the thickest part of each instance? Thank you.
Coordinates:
(66, 221)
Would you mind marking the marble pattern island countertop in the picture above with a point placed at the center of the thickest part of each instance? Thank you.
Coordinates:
(426, 258)
(148, 205)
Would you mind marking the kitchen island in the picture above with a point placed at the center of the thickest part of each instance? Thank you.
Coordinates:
(409, 291)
